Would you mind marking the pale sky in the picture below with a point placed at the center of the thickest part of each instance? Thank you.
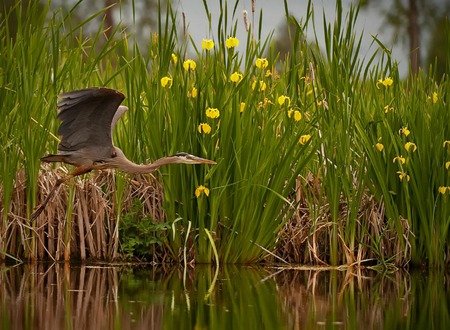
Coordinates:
(369, 22)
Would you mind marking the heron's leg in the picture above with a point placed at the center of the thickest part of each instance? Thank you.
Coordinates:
(40, 208)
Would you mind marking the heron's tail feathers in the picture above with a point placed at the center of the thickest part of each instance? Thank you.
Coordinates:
(50, 158)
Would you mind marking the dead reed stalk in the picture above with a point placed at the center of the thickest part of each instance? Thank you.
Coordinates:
(93, 217)
(305, 237)
(93, 227)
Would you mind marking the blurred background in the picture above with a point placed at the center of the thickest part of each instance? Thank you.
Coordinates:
(417, 31)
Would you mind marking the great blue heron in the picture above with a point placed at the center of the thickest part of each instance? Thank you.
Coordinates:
(88, 117)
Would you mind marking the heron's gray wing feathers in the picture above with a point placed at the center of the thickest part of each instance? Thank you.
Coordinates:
(87, 118)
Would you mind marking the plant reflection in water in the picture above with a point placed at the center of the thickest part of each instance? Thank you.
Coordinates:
(67, 296)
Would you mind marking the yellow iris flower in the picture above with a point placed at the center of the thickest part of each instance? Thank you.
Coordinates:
(204, 127)
(212, 113)
(404, 130)
(166, 81)
(403, 175)
(201, 189)
(262, 63)
(189, 65)
(410, 146)
(232, 42)
(388, 108)
(304, 139)
(434, 97)
(442, 190)
(236, 77)
(262, 86)
(297, 114)
(400, 159)
(193, 93)
(282, 99)
(385, 82)
(207, 44)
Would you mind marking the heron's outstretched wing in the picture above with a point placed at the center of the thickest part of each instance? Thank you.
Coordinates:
(87, 119)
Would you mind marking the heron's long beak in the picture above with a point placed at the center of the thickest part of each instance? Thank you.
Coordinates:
(199, 160)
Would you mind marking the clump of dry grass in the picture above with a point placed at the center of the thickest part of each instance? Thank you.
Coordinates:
(87, 228)
(305, 237)
(81, 222)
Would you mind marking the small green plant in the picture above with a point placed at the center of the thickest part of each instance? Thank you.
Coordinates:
(139, 234)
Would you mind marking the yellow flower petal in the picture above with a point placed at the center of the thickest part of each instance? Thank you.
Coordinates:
(189, 65)
(207, 44)
(443, 190)
(204, 127)
(236, 77)
(385, 82)
(282, 99)
(166, 81)
(201, 189)
(304, 139)
(297, 115)
(409, 146)
(388, 82)
(400, 159)
(242, 107)
(404, 130)
(232, 42)
(388, 108)
(261, 63)
(192, 93)
(262, 86)
(403, 175)
(379, 146)
(212, 113)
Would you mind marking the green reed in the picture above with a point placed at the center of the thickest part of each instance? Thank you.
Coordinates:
(39, 60)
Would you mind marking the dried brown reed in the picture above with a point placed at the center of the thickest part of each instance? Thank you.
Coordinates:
(305, 238)
(87, 229)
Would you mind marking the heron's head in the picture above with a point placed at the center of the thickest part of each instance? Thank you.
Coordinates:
(185, 158)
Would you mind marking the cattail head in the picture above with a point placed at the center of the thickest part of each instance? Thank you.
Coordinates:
(311, 70)
(245, 14)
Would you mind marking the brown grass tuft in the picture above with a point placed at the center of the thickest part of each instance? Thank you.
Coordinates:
(88, 219)
(305, 238)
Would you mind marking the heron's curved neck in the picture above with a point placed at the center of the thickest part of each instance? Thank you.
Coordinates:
(124, 164)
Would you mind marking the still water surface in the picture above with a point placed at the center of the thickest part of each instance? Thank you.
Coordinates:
(124, 297)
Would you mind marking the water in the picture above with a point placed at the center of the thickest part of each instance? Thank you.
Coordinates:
(124, 297)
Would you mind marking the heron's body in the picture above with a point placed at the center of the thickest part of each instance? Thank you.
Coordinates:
(88, 117)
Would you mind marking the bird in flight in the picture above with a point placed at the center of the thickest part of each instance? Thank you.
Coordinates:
(88, 117)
